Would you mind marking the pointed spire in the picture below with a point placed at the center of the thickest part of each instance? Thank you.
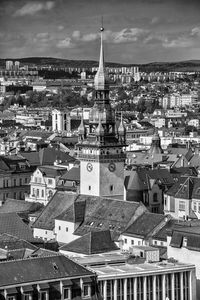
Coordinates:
(99, 129)
(100, 77)
(81, 128)
(121, 128)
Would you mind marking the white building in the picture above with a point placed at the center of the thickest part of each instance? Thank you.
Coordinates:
(43, 183)
(60, 120)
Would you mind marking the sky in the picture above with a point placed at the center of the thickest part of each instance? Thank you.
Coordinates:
(136, 31)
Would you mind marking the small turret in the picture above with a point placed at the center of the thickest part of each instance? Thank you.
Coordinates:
(155, 145)
(99, 130)
(122, 130)
(81, 129)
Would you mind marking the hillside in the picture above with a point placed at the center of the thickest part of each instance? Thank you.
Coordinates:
(190, 65)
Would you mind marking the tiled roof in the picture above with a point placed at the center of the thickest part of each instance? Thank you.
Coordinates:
(52, 171)
(58, 204)
(164, 231)
(108, 214)
(18, 206)
(140, 179)
(92, 243)
(192, 234)
(12, 224)
(145, 224)
(42, 269)
(186, 188)
(11, 242)
(72, 175)
(75, 213)
(46, 156)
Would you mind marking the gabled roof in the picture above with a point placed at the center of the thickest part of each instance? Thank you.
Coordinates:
(93, 242)
(144, 225)
(140, 179)
(42, 269)
(12, 224)
(108, 214)
(58, 204)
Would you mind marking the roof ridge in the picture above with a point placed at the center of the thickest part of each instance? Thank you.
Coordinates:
(34, 258)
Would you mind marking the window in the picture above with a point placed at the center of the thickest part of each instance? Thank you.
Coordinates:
(182, 205)
(50, 181)
(86, 290)
(199, 208)
(155, 242)
(59, 227)
(139, 243)
(33, 192)
(43, 295)
(66, 293)
(20, 181)
(11, 298)
(125, 241)
(132, 242)
(14, 182)
(15, 195)
(89, 188)
(27, 296)
(42, 193)
(155, 197)
(195, 206)
(111, 188)
(66, 229)
(25, 180)
(38, 192)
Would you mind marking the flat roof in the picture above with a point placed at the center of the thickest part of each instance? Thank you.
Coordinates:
(135, 270)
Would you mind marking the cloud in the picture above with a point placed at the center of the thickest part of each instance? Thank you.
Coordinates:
(60, 27)
(123, 36)
(128, 35)
(31, 8)
(195, 31)
(65, 43)
(180, 42)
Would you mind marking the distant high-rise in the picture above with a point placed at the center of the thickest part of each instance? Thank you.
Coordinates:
(9, 65)
(17, 64)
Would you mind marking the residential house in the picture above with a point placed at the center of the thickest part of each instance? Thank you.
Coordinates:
(15, 173)
(43, 183)
(140, 232)
(182, 200)
(148, 187)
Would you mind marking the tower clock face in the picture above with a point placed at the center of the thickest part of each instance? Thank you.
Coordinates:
(112, 167)
(89, 167)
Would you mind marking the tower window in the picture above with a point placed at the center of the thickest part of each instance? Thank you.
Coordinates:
(89, 187)
(111, 188)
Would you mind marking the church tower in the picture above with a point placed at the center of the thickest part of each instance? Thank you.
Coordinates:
(100, 148)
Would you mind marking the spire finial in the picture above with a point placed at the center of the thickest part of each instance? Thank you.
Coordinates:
(100, 77)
